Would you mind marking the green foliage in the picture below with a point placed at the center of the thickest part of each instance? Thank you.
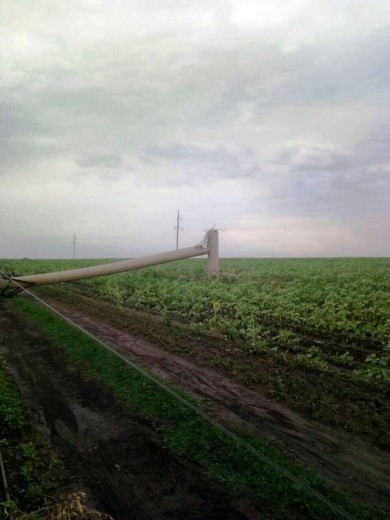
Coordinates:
(30, 469)
(188, 435)
(305, 316)
(11, 405)
(343, 360)
(313, 358)
(376, 368)
(340, 298)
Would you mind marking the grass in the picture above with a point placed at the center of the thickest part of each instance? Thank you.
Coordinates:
(12, 411)
(192, 438)
(30, 468)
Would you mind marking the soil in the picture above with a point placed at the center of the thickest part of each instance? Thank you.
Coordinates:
(117, 459)
(330, 396)
(346, 460)
(150, 483)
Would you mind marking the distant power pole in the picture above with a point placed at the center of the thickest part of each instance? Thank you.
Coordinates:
(178, 228)
(74, 245)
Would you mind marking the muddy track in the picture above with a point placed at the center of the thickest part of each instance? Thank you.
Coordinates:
(344, 459)
(116, 458)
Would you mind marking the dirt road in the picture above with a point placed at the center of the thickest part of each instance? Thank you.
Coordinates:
(344, 459)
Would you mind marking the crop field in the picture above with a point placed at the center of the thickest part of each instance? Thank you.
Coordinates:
(326, 314)
(311, 334)
(320, 323)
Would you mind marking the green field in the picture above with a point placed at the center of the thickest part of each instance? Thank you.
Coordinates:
(344, 300)
(319, 323)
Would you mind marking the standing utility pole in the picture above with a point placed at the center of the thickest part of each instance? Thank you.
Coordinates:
(74, 246)
(178, 228)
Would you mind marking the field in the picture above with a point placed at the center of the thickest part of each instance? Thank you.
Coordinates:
(313, 334)
(330, 317)
(345, 300)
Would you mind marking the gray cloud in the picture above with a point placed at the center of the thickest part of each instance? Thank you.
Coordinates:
(100, 161)
(303, 158)
(330, 75)
(275, 110)
(204, 162)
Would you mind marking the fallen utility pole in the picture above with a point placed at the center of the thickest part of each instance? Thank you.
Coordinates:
(208, 246)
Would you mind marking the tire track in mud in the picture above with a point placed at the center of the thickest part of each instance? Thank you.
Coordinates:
(116, 458)
(344, 459)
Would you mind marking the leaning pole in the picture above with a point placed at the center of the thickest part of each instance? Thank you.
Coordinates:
(208, 246)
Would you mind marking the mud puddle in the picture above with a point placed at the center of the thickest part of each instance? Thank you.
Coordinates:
(344, 459)
(115, 458)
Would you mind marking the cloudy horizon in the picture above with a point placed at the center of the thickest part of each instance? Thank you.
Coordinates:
(270, 122)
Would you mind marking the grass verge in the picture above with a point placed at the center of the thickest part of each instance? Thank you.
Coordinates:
(192, 438)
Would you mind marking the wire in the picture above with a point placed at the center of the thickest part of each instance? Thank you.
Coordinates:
(332, 506)
(5, 486)
(4, 480)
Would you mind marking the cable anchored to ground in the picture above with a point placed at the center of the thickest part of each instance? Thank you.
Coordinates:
(229, 433)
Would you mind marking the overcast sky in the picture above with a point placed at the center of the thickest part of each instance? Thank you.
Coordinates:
(270, 120)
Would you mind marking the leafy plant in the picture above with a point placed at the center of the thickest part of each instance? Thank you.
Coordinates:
(375, 368)
(313, 358)
(11, 406)
(344, 360)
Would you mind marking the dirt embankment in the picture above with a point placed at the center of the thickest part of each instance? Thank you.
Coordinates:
(346, 460)
(116, 458)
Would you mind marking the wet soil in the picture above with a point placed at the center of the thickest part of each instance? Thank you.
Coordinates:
(346, 460)
(117, 458)
(332, 396)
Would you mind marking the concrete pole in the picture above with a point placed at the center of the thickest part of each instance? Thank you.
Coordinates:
(213, 254)
(178, 228)
(101, 270)
(211, 249)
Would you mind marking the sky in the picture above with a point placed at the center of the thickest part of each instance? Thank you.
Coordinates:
(268, 120)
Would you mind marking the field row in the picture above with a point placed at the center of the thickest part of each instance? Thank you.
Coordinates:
(326, 314)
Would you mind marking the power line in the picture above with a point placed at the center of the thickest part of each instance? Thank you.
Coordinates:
(303, 485)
